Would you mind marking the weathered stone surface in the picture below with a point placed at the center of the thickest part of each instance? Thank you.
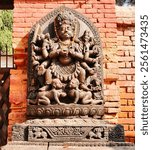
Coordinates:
(66, 146)
(61, 130)
(53, 111)
(25, 146)
(65, 64)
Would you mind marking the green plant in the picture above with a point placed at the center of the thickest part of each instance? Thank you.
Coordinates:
(6, 21)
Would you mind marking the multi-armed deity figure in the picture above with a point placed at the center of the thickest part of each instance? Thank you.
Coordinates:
(67, 57)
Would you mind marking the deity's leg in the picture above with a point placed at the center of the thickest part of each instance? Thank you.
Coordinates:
(48, 76)
(82, 77)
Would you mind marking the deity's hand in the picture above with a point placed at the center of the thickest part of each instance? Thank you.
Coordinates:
(35, 57)
(33, 47)
(63, 94)
(72, 52)
(64, 53)
(40, 70)
(96, 49)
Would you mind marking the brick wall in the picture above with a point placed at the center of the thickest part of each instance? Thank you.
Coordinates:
(102, 14)
(126, 63)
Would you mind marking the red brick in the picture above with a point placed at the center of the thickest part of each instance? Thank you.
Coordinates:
(110, 45)
(112, 65)
(86, 6)
(122, 90)
(113, 35)
(120, 53)
(112, 104)
(18, 20)
(130, 115)
(110, 15)
(111, 25)
(113, 110)
(132, 127)
(121, 64)
(129, 58)
(128, 108)
(122, 78)
(127, 71)
(111, 77)
(128, 64)
(80, 10)
(126, 127)
(52, 6)
(112, 11)
(110, 92)
(110, 6)
(128, 33)
(132, 140)
(130, 89)
(108, 20)
(126, 120)
(18, 30)
(128, 43)
(101, 6)
(122, 115)
(130, 134)
(98, 16)
(91, 11)
(129, 77)
(119, 33)
(123, 102)
(126, 83)
(132, 53)
(130, 103)
(127, 95)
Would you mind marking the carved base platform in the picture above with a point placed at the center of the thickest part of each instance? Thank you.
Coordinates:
(67, 110)
(67, 130)
(68, 146)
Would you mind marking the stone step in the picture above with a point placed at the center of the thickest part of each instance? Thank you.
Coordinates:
(65, 146)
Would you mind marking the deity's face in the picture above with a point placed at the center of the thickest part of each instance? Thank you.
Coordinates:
(74, 83)
(86, 36)
(66, 31)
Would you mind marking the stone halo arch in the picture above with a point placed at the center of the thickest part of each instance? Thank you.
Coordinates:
(46, 25)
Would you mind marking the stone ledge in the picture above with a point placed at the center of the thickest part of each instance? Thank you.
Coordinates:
(51, 111)
(67, 146)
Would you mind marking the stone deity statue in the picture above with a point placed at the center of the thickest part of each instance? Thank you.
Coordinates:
(65, 59)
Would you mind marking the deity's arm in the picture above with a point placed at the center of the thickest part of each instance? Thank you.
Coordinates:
(44, 49)
(54, 53)
(76, 96)
(46, 63)
(76, 55)
(56, 96)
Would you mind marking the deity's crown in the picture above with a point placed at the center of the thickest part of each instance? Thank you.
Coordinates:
(65, 16)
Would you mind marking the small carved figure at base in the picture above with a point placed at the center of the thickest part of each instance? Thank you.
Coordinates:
(96, 133)
(44, 97)
(77, 94)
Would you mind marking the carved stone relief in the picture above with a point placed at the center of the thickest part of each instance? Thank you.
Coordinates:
(65, 61)
(66, 130)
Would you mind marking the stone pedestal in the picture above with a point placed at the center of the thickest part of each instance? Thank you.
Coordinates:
(82, 132)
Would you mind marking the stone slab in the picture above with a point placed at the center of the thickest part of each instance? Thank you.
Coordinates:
(67, 130)
(25, 146)
(90, 148)
(46, 146)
